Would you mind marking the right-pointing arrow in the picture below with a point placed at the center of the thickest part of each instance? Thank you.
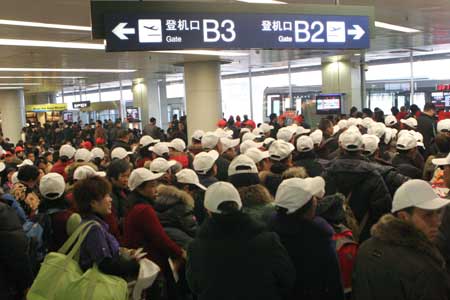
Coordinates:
(358, 32)
(120, 31)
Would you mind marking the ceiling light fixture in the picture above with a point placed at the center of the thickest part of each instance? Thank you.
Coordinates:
(67, 70)
(11, 88)
(44, 25)
(11, 84)
(395, 27)
(41, 77)
(204, 52)
(262, 1)
(51, 44)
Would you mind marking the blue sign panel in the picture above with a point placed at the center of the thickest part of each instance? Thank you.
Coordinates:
(235, 31)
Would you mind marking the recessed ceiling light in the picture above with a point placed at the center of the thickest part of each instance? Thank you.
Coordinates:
(11, 84)
(41, 77)
(67, 70)
(263, 1)
(357, 54)
(51, 44)
(395, 27)
(11, 88)
(204, 52)
(44, 25)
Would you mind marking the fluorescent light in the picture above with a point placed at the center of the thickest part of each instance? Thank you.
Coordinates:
(41, 77)
(67, 70)
(395, 27)
(44, 25)
(203, 52)
(11, 84)
(263, 1)
(11, 88)
(51, 44)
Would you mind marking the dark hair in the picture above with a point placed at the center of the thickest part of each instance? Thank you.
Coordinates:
(27, 173)
(152, 120)
(353, 110)
(408, 210)
(429, 106)
(278, 167)
(122, 133)
(246, 179)
(368, 112)
(299, 213)
(117, 167)
(99, 122)
(144, 152)
(394, 111)
(442, 143)
(228, 207)
(414, 108)
(90, 189)
(324, 124)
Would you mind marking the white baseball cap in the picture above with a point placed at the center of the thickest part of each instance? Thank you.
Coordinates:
(390, 120)
(204, 161)
(370, 143)
(336, 129)
(343, 124)
(14, 178)
(317, 136)
(351, 141)
(120, 153)
(83, 172)
(98, 153)
(83, 155)
(417, 193)
(161, 165)
(210, 141)
(441, 161)
(188, 176)
(388, 135)
(2, 166)
(26, 162)
(410, 122)
(305, 144)
(352, 122)
(160, 149)
(378, 129)
(419, 138)
(52, 183)
(285, 134)
(258, 132)
(141, 175)
(222, 133)
(294, 193)
(219, 193)
(249, 137)
(256, 154)
(248, 145)
(198, 135)
(242, 164)
(67, 150)
(245, 130)
(354, 129)
(229, 143)
(267, 142)
(147, 140)
(406, 142)
(443, 125)
(177, 144)
(266, 128)
(367, 122)
(280, 150)
(301, 130)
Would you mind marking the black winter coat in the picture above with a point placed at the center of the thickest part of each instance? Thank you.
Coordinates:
(399, 263)
(15, 266)
(426, 125)
(222, 168)
(406, 166)
(233, 257)
(369, 193)
(309, 161)
(392, 177)
(312, 250)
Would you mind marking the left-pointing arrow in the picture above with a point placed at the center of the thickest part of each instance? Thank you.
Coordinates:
(120, 31)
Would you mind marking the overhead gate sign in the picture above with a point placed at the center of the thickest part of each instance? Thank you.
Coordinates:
(165, 31)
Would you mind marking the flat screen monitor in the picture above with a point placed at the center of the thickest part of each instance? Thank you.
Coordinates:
(439, 99)
(328, 104)
(133, 113)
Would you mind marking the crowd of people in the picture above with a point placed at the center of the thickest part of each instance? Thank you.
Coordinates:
(354, 207)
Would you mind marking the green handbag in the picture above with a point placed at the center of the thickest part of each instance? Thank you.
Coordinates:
(59, 269)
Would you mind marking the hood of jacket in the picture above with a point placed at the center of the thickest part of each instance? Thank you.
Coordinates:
(398, 232)
(170, 195)
(255, 195)
(9, 221)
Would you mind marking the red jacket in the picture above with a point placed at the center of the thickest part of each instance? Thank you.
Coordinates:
(143, 229)
(59, 167)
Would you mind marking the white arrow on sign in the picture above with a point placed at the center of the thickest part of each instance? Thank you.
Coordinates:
(358, 32)
(120, 31)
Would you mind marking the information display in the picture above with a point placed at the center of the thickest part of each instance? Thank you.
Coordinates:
(235, 31)
(328, 104)
(81, 104)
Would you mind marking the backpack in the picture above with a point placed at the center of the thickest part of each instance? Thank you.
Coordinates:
(347, 249)
(350, 220)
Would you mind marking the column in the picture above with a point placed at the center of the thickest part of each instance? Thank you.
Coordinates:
(146, 96)
(12, 113)
(341, 75)
(163, 104)
(203, 95)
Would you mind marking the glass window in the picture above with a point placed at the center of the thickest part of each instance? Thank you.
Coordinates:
(419, 100)
(175, 90)
(235, 97)
(383, 101)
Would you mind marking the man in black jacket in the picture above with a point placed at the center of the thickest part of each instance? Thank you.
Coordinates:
(211, 141)
(426, 125)
(307, 158)
(404, 161)
(122, 140)
(360, 181)
(400, 261)
(308, 240)
(233, 257)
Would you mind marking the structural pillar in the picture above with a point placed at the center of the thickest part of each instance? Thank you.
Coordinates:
(163, 102)
(12, 111)
(146, 96)
(341, 75)
(203, 95)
